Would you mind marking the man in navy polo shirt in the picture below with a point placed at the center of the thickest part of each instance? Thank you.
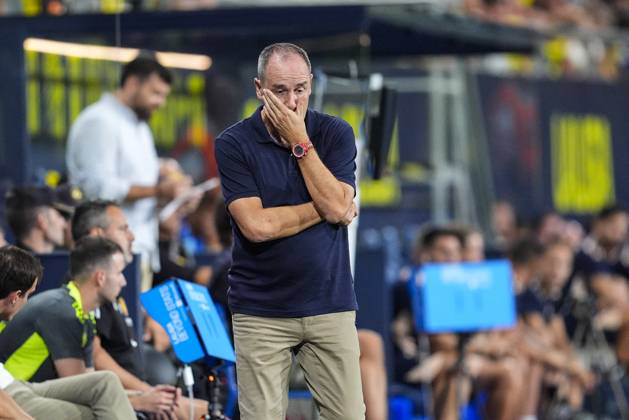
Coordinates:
(288, 178)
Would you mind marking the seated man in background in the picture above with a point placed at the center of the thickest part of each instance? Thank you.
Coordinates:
(499, 376)
(569, 373)
(116, 348)
(37, 225)
(91, 395)
(52, 336)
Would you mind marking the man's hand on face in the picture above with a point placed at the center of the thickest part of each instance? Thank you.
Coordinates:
(290, 125)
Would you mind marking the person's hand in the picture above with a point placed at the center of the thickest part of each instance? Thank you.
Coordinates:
(290, 125)
(203, 275)
(160, 401)
(182, 185)
(169, 167)
(156, 334)
(351, 213)
(169, 187)
(166, 189)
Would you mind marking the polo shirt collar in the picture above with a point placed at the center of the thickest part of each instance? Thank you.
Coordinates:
(265, 137)
(75, 294)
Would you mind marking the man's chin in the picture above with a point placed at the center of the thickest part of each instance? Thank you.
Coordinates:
(142, 114)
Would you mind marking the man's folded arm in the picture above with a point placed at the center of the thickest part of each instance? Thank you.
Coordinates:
(259, 224)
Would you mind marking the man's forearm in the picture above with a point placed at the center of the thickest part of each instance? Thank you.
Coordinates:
(284, 221)
(327, 192)
(137, 192)
(104, 361)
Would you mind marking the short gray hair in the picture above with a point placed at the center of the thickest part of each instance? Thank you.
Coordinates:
(282, 49)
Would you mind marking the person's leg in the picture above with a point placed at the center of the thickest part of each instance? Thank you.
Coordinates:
(532, 389)
(329, 358)
(101, 392)
(504, 382)
(622, 348)
(373, 374)
(444, 392)
(46, 408)
(263, 360)
(199, 408)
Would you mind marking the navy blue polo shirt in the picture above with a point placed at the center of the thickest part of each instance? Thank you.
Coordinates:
(305, 274)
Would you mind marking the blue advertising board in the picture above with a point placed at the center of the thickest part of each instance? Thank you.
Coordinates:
(178, 306)
(463, 297)
(209, 323)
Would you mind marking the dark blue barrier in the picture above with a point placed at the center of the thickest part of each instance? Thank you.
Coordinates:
(56, 267)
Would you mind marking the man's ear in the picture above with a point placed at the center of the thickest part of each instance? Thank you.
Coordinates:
(131, 84)
(258, 86)
(96, 231)
(99, 277)
(13, 297)
(41, 219)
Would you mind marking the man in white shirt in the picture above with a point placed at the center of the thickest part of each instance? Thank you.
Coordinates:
(94, 395)
(111, 154)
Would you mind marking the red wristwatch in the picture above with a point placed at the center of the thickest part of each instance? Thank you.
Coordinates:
(301, 149)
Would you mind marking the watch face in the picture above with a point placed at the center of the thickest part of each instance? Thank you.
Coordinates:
(298, 150)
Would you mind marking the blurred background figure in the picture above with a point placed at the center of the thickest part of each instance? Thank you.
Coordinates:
(111, 154)
(35, 221)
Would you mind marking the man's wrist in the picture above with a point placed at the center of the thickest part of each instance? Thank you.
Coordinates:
(300, 150)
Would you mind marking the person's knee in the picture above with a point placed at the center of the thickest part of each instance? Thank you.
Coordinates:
(348, 412)
(107, 379)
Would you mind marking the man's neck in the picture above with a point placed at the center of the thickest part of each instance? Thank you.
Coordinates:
(122, 97)
(4, 310)
(89, 297)
(37, 243)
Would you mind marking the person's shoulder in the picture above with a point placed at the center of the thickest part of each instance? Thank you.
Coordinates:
(231, 131)
(233, 135)
(55, 303)
(331, 127)
(235, 130)
(95, 115)
(327, 121)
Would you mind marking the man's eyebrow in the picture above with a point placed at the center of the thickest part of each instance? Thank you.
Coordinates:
(282, 86)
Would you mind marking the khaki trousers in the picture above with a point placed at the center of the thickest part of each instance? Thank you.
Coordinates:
(96, 395)
(326, 347)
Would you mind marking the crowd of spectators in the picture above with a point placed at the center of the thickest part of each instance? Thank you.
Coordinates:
(552, 14)
(572, 301)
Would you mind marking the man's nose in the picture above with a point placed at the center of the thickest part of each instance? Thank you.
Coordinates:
(291, 101)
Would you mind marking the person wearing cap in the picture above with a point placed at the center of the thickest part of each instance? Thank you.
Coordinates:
(70, 196)
(34, 218)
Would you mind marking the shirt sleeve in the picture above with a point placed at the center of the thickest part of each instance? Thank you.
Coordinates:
(88, 354)
(92, 159)
(341, 156)
(104, 324)
(237, 179)
(62, 333)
